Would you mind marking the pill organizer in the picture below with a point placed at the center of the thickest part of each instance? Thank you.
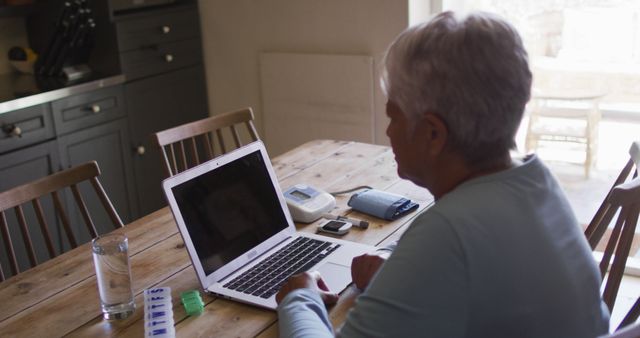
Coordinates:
(192, 302)
(158, 313)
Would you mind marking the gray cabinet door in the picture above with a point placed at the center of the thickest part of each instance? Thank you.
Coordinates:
(18, 168)
(155, 104)
(109, 145)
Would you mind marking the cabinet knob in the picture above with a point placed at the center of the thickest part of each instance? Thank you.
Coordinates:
(166, 29)
(12, 130)
(16, 131)
(141, 150)
(168, 57)
(95, 108)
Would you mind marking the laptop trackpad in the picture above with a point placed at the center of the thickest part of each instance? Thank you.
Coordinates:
(337, 277)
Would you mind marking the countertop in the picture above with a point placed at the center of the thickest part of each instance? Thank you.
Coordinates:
(19, 91)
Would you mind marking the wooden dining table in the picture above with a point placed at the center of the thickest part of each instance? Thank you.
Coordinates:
(60, 297)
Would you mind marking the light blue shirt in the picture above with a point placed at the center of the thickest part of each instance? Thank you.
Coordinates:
(501, 255)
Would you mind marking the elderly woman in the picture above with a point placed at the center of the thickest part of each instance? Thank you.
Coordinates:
(500, 253)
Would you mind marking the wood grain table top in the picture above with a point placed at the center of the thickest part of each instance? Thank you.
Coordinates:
(60, 297)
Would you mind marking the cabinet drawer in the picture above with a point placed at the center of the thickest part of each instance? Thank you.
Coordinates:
(24, 127)
(143, 32)
(89, 109)
(162, 58)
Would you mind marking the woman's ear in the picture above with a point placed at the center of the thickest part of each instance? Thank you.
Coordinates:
(436, 132)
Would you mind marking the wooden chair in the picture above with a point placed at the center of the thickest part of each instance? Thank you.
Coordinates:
(631, 316)
(623, 199)
(200, 143)
(550, 123)
(33, 192)
(632, 331)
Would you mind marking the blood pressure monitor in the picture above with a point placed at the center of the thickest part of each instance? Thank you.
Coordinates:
(307, 203)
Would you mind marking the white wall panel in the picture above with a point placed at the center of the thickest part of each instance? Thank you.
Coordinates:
(316, 96)
(235, 32)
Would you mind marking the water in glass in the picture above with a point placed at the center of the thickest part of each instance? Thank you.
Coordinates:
(111, 259)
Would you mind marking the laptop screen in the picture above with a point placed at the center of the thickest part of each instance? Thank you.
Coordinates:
(230, 210)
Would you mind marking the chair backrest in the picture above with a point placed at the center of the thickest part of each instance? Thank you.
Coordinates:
(624, 200)
(190, 144)
(33, 192)
(631, 331)
(631, 316)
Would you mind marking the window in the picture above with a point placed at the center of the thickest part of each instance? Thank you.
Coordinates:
(586, 44)
(589, 45)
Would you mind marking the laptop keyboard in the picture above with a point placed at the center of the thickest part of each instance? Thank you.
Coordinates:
(266, 278)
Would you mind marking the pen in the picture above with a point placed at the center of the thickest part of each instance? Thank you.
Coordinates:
(355, 222)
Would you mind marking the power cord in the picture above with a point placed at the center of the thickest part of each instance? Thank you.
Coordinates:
(335, 193)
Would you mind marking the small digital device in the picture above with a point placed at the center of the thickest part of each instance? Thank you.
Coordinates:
(335, 227)
(307, 203)
(355, 222)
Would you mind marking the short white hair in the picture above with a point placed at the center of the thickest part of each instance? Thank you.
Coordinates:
(472, 71)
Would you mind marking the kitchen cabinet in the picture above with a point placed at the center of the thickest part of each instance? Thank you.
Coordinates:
(24, 127)
(109, 145)
(161, 102)
(161, 57)
(19, 167)
(45, 138)
(109, 119)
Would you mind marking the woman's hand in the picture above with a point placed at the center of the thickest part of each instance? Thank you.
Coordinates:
(364, 267)
(307, 280)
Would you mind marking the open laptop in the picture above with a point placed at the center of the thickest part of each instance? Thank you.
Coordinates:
(239, 234)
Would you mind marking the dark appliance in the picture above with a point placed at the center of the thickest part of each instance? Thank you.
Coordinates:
(125, 5)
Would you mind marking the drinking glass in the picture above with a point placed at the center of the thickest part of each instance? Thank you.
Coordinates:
(111, 259)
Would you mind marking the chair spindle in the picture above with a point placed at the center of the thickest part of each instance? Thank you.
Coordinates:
(24, 230)
(221, 141)
(84, 211)
(106, 203)
(209, 147)
(44, 227)
(173, 159)
(183, 156)
(65, 220)
(236, 136)
(13, 261)
(194, 148)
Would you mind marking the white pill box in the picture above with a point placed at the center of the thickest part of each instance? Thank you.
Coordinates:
(158, 313)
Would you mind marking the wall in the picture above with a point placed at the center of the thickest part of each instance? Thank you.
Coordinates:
(12, 33)
(236, 31)
(421, 10)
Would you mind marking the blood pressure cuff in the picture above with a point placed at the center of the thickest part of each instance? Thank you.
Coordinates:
(381, 204)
